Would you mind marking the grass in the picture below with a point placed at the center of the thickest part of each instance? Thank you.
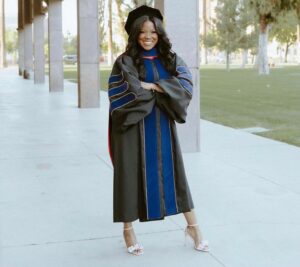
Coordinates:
(70, 73)
(241, 99)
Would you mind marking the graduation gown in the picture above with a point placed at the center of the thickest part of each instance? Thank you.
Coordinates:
(149, 176)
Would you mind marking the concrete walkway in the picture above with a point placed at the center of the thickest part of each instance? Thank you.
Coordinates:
(56, 191)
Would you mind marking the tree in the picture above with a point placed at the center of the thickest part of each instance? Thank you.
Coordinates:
(137, 3)
(2, 36)
(298, 32)
(11, 43)
(101, 9)
(268, 11)
(233, 29)
(70, 44)
(227, 32)
(298, 43)
(246, 24)
(204, 27)
(122, 10)
(110, 40)
(210, 40)
(285, 30)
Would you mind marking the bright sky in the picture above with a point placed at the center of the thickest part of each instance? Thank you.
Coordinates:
(69, 15)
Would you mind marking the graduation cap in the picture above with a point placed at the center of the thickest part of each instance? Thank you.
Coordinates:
(139, 12)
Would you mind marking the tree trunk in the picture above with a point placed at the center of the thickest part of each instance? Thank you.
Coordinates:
(254, 60)
(298, 44)
(2, 36)
(244, 58)
(227, 61)
(286, 52)
(263, 64)
(121, 22)
(110, 41)
(204, 25)
(101, 9)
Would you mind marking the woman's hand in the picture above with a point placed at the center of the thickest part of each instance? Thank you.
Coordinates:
(151, 86)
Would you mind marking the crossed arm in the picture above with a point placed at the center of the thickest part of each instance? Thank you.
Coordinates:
(152, 86)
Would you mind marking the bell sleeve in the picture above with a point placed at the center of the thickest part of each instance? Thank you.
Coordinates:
(178, 91)
(129, 102)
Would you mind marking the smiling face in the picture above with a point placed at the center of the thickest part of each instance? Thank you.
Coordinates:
(148, 36)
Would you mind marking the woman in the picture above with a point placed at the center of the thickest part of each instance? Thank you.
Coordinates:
(150, 88)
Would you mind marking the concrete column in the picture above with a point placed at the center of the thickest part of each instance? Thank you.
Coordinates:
(2, 36)
(28, 52)
(88, 54)
(178, 14)
(38, 48)
(138, 3)
(21, 51)
(159, 4)
(55, 36)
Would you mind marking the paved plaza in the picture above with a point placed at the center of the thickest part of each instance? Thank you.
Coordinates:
(56, 191)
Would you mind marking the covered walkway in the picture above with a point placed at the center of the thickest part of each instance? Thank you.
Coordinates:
(56, 191)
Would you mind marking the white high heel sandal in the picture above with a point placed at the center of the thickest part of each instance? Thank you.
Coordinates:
(203, 245)
(135, 249)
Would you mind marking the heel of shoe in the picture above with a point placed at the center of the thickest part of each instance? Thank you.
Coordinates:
(135, 249)
(202, 246)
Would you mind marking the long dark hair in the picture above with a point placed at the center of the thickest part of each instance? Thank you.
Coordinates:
(133, 49)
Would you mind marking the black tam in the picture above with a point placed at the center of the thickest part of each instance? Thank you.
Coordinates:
(139, 12)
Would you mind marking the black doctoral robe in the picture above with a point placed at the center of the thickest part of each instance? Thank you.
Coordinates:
(149, 176)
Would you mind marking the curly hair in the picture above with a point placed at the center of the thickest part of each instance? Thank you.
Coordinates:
(134, 50)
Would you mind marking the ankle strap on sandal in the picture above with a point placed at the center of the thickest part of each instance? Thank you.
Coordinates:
(127, 228)
(192, 225)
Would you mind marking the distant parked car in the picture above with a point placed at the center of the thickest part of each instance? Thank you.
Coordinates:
(70, 59)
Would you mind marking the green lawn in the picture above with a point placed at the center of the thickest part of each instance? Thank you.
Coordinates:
(242, 99)
(70, 73)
